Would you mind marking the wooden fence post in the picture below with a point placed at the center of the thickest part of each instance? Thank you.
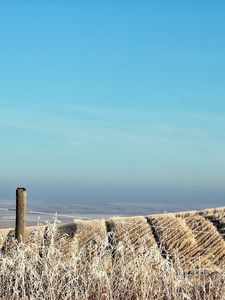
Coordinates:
(21, 195)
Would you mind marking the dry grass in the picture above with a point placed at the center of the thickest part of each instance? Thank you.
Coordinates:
(3, 235)
(217, 218)
(161, 257)
(208, 239)
(177, 240)
(131, 232)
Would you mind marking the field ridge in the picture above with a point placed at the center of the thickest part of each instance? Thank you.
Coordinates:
(196, 237)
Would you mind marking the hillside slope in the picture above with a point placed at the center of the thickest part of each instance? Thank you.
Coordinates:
(195, 237)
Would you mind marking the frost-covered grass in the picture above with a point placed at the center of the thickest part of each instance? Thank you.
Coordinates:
(45, 268)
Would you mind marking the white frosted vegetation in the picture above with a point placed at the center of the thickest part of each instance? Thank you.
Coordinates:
(85, 260)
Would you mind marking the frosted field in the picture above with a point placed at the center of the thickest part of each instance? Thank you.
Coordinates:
(153, 257)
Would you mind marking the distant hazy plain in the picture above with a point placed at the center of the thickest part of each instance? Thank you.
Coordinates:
(105, 203)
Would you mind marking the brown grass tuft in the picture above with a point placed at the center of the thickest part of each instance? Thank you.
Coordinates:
(177, 240)
(210, 242)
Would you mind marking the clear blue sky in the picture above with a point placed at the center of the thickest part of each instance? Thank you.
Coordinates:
(126, 95)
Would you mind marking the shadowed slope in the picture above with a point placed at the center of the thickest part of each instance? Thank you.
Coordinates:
(217, 218)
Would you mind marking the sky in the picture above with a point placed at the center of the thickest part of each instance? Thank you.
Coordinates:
(112, 100)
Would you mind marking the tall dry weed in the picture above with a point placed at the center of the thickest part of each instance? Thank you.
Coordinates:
(41, 269)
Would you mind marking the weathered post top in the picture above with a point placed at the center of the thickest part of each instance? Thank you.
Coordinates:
(20, 189)
(21, 197)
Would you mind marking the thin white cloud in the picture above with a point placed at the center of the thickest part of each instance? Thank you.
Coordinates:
(85, 124)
